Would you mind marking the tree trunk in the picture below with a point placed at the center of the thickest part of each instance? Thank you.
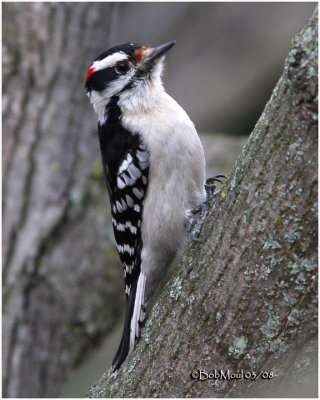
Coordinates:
(60, 267)
(245, 300)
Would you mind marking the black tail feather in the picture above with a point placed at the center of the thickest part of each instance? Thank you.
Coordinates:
(124, 346)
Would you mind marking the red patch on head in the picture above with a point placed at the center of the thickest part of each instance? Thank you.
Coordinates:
(89, 72)
(140, 53)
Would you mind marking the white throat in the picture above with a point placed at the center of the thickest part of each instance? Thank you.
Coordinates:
(145, 95)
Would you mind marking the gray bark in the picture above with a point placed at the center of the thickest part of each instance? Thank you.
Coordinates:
(60, 266)
(246, 298)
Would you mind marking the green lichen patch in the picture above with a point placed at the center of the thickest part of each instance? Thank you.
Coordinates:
(271, 327)
(289, 298)
(271, 244)
(176, 289)
(302, 265)
(239, 346)
(293, 234)
(295, 317)
(275, 261)
(278, 346)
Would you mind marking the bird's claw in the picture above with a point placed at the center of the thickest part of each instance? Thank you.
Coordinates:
(199, 213)
(196, 220)
(195, 238)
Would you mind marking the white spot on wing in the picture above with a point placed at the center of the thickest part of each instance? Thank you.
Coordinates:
(142, 156)
(129, 200)
(125, 249)
(125, 164)
(134, 172)
(124, 205)
(139, 193)
(132, 228)
(128, 249)
(129, 181)
(119, 206)
(119, 227)
(144, 165)
(120, 183)
(122, 227)
(128, 173)
(129, 268)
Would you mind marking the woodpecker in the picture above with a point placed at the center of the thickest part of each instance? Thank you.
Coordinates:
(154, 167)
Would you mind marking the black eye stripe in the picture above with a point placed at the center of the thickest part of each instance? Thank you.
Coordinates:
(99, 80)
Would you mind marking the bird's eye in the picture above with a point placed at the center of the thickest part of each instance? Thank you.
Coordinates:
(122, 67)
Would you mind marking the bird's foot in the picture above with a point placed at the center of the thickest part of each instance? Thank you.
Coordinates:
(196, 217)
(195, 220)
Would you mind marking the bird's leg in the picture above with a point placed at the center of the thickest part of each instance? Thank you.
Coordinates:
(195, 217)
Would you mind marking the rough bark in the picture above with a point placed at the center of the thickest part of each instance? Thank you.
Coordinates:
(60, 268)
(246, 298)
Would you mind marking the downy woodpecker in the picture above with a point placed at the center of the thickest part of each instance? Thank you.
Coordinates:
(154, 168)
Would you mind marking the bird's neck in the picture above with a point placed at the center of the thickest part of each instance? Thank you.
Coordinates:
(141, 98)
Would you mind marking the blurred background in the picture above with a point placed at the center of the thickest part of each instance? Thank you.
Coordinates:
(63, 299)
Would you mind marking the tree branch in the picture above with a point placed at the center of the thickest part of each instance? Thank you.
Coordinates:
(245, 299)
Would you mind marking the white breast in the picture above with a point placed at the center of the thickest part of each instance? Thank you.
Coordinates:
(177, 169)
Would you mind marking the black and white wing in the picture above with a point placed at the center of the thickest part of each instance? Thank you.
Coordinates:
(127, 189)
(127, 206)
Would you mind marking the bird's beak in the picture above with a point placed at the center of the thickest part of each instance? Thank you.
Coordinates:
(159, 51)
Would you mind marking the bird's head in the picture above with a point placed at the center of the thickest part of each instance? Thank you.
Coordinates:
(128, 67)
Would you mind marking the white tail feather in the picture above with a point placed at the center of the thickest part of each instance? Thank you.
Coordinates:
(137, 311)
